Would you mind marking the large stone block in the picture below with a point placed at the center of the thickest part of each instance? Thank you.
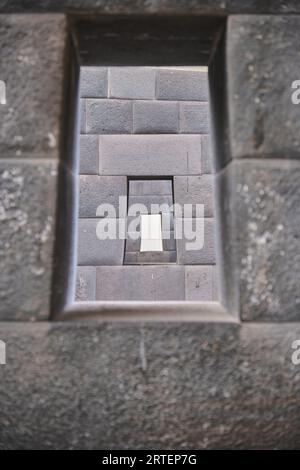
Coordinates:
(132, 83)
(93, 82)
(92, 251)
(150, 155)
(155, 117)
(140, 283)
(89, 155)
(259, 213)
(85, 283)
(229, 386)
(181, 85)
(206, 155)
(97, 190)
(194, 190)
(194, 118)
(108, 116)
(27, 222)
(199, 283)
(150, 187)
(263, 53)
(32, 64)
(196, 232)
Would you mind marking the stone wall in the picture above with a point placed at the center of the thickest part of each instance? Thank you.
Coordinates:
(145, 123)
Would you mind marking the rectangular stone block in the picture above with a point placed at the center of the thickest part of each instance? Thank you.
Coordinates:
(150, 257)
(83, 116)
(89, 155)
(183, 85)
(194, 118)
(150, 204)
(150, 117)
(150, 155)
(132, 83)
(206, 155)
(92, 251)
(258, 239)
(93, 82)
(148, 187)
(108, 116)
(140, 283)
(188, 246)
(32, 64)
(261, 67)
(85, 283)
(97, 190)
(199, 283)
(27, 226)
(193, 190)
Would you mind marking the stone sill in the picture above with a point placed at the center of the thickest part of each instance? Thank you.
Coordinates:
(144, 311)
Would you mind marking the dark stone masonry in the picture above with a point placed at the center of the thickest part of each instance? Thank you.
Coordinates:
(170, 374)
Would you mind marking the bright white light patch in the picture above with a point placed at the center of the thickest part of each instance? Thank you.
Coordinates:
(151, 233)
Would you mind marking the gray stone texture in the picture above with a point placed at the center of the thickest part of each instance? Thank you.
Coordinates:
(108, 116)
(93, 82)
(85, 283)
(258, 211)
(96, 190)
(150, 155)
(148, 187)
(83, 116)
(169, 243)
(132, 83)
(194, 118)
(199, 283)
(206, 155)
(92, 251)
(27, 223)
(89, 155)
(205, 255)
(194, 190)
(262, 62)
(140, 283)
(32, 66)
(151, 204)
(183, 85)
(159, 385)
(150, 117)
(151, 257)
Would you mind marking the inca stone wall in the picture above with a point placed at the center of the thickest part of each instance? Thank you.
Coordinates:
(145, 122)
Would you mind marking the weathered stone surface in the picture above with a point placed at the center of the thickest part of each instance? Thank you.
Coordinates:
(27, 219)
(140, 283)
(263, 53)
(92, 251)
(150, 204)
(150, 155)
(83, 116)
(194, 118)
(150, 187)
(199, 283)
(169, 244)
(82, 385)
(89, 155)
(194, 190)
(150, 117)
(96, 190)
(132, 83)
(32, 64)
(258, 209)
(142, 258)
(85, 283)
(108, 116)
(132, 7)
(192, 237)
(206, 155)
(93, 82)
(181, 85)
